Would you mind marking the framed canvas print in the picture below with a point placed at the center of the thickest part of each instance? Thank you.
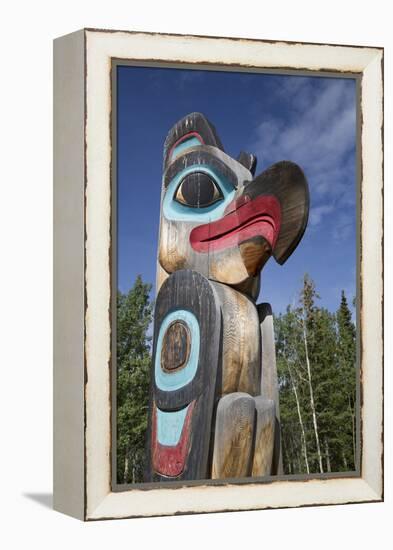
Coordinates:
(218, 326)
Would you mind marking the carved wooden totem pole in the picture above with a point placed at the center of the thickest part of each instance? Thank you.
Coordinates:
(214, 410)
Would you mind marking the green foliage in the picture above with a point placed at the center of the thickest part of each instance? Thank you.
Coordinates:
(328, 342)
(134, 315)
(306, 336)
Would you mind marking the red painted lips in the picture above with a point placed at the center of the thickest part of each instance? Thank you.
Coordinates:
(246, 219)
(170, 460)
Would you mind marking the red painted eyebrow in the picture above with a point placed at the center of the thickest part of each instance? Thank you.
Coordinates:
(184, 138)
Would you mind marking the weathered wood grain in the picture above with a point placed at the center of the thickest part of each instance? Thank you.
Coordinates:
(269, 380)
(264, 436)
(161, 276)
(175, 252)
(241, 342)
(233, 437)
(250, 287)
(255, 252)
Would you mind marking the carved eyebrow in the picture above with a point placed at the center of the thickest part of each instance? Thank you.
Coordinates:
(198, 157)
(191, 123)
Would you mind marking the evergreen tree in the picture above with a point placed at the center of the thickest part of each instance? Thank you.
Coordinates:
(309, 317)
(327, 387)
(347, 365)
(291, 389)
(134, 315)
(317, 381)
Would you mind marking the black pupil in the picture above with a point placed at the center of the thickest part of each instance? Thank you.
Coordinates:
(198, 189)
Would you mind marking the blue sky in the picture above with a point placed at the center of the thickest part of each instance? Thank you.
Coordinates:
(308, 120)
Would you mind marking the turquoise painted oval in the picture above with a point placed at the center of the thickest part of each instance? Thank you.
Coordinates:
(171, 381)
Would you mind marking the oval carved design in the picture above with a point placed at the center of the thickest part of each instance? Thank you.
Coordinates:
(175, 347)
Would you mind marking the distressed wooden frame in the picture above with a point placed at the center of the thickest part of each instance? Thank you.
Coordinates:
(82, 272)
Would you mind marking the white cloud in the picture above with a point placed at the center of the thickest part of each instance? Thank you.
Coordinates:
(318, 212)
(343, 227)
(317, 129)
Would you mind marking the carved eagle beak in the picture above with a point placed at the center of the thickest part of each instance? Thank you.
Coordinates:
(269, 218)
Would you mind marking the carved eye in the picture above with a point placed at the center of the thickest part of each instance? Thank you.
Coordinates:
(198, 190)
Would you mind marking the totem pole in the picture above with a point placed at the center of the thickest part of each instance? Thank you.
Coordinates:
(214, 408)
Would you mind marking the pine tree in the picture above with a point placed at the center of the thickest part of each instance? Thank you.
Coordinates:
(308, 316)
(327, 387)
(317, 380)
(294, 440)
(134, 315)
(347, 366)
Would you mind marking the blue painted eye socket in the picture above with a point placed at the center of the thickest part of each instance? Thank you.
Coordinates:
(197, 193)
(198, 190)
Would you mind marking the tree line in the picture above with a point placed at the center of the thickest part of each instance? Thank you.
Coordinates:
(316, 362)
(134, 316)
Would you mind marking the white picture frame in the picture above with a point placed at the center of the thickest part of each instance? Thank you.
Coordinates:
(82, 257)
